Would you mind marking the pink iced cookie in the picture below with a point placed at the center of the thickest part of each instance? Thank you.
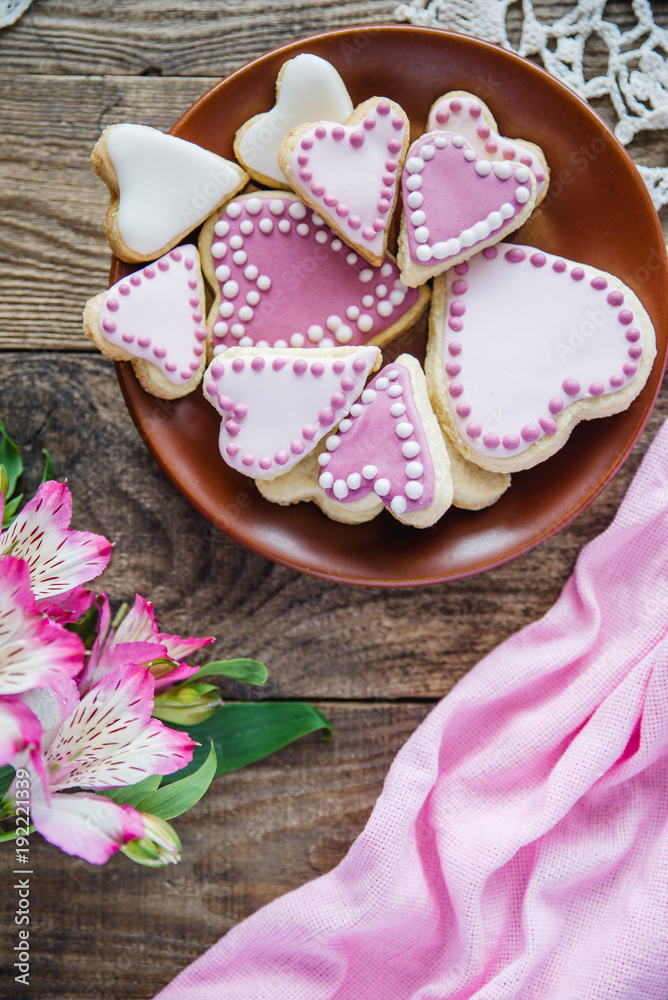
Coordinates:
(468, 116)
(349, 173)
(390, 450)
(276, 404)
(523, 345)
(455, 204)
(154, 319)
(283, 278)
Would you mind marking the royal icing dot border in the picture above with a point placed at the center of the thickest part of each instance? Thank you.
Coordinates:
(451, 113)
(380, 302)
(382, 129)
(159, 350)
(416, 492)
(492, 443)
(347, 376)
(427, 150)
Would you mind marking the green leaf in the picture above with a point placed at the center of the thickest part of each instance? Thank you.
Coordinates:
(48, 467)
(10, 509)
(244, 732)
(6, 777)
(10, 457)
(248, 671)
(14, 834)
(180, 795)
(130, 795)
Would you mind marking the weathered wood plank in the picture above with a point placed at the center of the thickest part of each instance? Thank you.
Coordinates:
(124, 930)
(209, 39)
(318, 639)
(131, 38)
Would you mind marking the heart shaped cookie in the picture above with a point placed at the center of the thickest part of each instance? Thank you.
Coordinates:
(349, 173)
(473, 488)
(391, 450)
(468, 116)
(455, 204)
(161, 188)
(284, 279)
(277, 404)
(308, 89)
(154, 319)
(523, 345)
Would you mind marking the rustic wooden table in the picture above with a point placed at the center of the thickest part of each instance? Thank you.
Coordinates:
(375, 662)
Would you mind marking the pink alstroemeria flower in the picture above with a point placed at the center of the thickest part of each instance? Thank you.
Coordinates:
(68, 607)
(88, 826)
(34, 652)
(109, 741)
(19, 729)
(59, 557)
(137, 641)
(139, 625)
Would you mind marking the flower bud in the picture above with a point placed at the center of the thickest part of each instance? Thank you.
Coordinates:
(159, 846)
(162, 667)
(187, 704)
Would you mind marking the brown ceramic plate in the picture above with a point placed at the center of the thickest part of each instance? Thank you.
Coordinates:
(597, 211)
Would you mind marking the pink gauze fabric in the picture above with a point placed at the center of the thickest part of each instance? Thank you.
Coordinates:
(519, 848)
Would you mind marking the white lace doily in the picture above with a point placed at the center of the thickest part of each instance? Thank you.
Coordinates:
(11, 10)
(636, 80)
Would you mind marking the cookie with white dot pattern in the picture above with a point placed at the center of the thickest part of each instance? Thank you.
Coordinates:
(283, 278)
(154, 318)
(349, 174)
(523, 345)
(391, 448)
(456, 203)
(473, 488)
(468, 116)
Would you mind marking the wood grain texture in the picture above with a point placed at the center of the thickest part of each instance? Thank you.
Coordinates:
(128, 38)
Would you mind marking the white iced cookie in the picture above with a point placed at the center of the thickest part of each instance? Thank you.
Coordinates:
(308, 89)
(154, 319)
(277, 404)
(349, 174)
(523, 345)
(161, 188)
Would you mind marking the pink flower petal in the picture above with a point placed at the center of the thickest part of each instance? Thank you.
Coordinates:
(52, 704)
(139, 624)
(89, 826)
(34, 652)
(67, 607)
(19, 729)
(59, 557)
(111, 739)
(178, 648)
